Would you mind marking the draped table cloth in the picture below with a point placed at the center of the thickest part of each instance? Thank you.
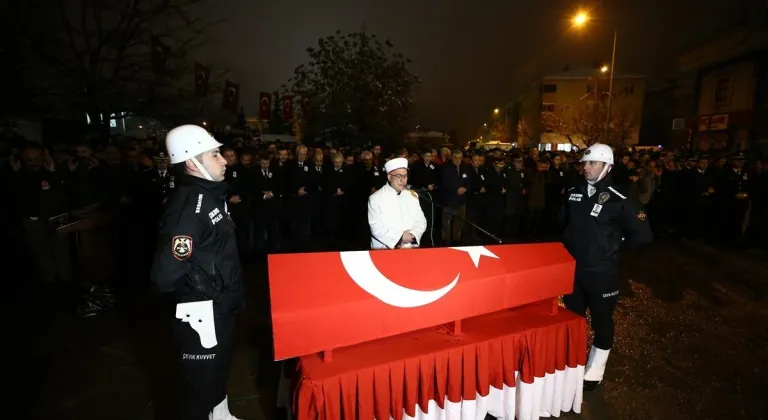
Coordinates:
(521, 363)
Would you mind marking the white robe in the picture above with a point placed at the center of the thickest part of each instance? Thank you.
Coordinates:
(390, 214)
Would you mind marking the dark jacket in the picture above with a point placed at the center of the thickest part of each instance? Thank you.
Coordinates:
(597, 227)
(196, 257)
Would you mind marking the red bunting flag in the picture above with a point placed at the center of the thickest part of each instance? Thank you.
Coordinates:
(202, 79)
(265, 105)
(231, 97)
(288, 108)
(160, 53)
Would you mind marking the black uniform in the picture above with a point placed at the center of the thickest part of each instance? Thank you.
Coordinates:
(422, 177)
(597, 227)
(197, 261)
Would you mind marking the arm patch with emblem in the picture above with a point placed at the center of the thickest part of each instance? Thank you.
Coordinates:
(181, 247)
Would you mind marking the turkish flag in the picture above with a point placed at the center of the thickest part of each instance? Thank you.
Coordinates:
(160, 53)
(265, 105)
(202, 79)
(323, 301)
(288, 108)
(304, 106)
(231, 96)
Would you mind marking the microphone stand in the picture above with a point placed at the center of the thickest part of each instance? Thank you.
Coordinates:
(429, 199)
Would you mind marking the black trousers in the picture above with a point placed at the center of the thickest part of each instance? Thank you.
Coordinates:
(598, 291)
(204, 372)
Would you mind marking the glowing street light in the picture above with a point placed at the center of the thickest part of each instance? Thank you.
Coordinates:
(580, 19)
(205, 123)
(496, 111)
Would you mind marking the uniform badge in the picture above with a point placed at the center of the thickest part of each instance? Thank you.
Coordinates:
(596, 210)
(306, 169)
(44, 185)
(603, 197)
(376, 173)
(234, 174)
(181, 246)
(431, 166)
(482, 177)
(641, 215)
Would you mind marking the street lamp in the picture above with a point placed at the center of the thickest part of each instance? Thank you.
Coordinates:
(496, 111)
(580, 20)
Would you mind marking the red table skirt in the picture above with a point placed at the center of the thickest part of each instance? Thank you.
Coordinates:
(522, 363)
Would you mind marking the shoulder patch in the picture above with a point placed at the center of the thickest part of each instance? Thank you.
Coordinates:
(414, 194)
(181, 247)
(641, 215)
(199, 203)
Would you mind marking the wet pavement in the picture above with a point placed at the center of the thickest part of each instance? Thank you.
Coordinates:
(691, 343)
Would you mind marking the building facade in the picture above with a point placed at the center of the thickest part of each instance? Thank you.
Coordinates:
(667, 112)
(570, 108)
(731, 91)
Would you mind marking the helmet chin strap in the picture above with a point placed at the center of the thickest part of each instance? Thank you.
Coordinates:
(201, 169)
(604, 172)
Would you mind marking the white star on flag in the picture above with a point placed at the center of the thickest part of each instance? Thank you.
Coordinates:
(475, 252)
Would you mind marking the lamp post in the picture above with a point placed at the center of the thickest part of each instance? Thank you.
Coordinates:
(610, 88)
(579, 21)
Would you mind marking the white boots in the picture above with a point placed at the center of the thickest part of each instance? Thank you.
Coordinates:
(221, 412)
(598, 358)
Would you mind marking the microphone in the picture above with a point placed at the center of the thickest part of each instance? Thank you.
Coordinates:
(426, 196)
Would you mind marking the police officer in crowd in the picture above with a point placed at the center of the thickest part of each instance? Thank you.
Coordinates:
(599, 221)
(197, 260)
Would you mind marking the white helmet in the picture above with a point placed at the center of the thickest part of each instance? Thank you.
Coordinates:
(598, 152)
(187, 141)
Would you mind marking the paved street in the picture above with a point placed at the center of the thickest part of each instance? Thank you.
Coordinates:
(692, 342)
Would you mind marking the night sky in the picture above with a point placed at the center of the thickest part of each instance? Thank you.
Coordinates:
(471, 55)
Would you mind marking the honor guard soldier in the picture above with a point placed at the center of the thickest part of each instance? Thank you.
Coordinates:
(197, 261)
(162, 181)
(394, 213)
(600, 221)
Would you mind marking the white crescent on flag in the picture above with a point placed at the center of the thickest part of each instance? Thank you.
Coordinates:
(365, 274)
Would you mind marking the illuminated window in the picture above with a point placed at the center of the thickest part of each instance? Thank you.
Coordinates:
(547, 107)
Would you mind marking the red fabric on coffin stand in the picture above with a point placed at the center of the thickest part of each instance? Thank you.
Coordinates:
(392, 376)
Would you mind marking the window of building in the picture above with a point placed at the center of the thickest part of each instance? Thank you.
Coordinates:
(566, 147)
(550, 88)
(723, 90)
(547, 107)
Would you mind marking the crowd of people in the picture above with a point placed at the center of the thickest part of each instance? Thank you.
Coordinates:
(295, 198)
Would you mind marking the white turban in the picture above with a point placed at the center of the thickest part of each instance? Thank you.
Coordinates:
(396, 163)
